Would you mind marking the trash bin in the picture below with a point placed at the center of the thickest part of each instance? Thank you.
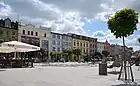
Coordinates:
(102, 68)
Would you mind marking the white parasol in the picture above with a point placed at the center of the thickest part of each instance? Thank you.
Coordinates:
(6, 49)
(20, 46)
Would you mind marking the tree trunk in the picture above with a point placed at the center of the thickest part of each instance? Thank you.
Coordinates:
(68, 58)
(124, 59)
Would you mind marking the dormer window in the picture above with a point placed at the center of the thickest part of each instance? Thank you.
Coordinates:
(8, 23)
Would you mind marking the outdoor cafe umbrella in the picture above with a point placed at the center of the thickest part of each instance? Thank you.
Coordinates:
(6, 49)
(20, 46)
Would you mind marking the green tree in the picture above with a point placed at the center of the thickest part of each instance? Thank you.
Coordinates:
(56, 56)
(122, 25)
(105, 53)
(77, 52)
(65, 54)
(138, 40)
(43, 54)
(51, 55)
(68, 54)
(97, 55)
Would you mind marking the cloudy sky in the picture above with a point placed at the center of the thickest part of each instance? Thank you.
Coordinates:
(86, 17)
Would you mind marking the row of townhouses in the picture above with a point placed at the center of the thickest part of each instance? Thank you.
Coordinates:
(48, 40)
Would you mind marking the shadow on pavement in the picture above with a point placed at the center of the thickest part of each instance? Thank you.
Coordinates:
(128, 84)
(114, 72)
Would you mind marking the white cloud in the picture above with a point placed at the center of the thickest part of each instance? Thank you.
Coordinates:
(64, 21)
(5, 10)
(133, 43)
(44, 7)
(89, 30)
(104, 35)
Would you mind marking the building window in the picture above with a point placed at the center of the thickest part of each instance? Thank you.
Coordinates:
(90, 51)
(58, 49)
(58, 42)
(58, 36)
(63, 43)
(63, 37)
(36, 33)
(77, 43)
(54, 48)
(53, 35)
(81, 44)
(28, 32)
(23, 31)
(8, 23)
(32, 33)
(93, 46)
(84, 50)
(13, 37)
(44, 34)
(69, 43)
(54, 43)
(66, 43)
(84, 44)
(90, 45)
(87, 44)
(66, 38)
(13, 33)
(74, 43)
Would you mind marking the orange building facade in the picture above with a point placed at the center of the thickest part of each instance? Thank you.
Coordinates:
(107, 46)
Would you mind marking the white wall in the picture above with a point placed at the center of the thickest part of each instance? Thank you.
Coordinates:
(41, 31)
(100, 47)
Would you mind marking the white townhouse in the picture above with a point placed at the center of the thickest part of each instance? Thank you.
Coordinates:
(38, 36)
(100, 47)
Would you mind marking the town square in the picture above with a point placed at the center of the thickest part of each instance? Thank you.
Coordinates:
(69, 43)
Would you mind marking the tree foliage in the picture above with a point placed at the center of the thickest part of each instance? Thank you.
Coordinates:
(105, 53)
(77, 52)
(97, 54)
(123, 23)
(67, 53)
(138, 40)
(56, 54)
(43, 53)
